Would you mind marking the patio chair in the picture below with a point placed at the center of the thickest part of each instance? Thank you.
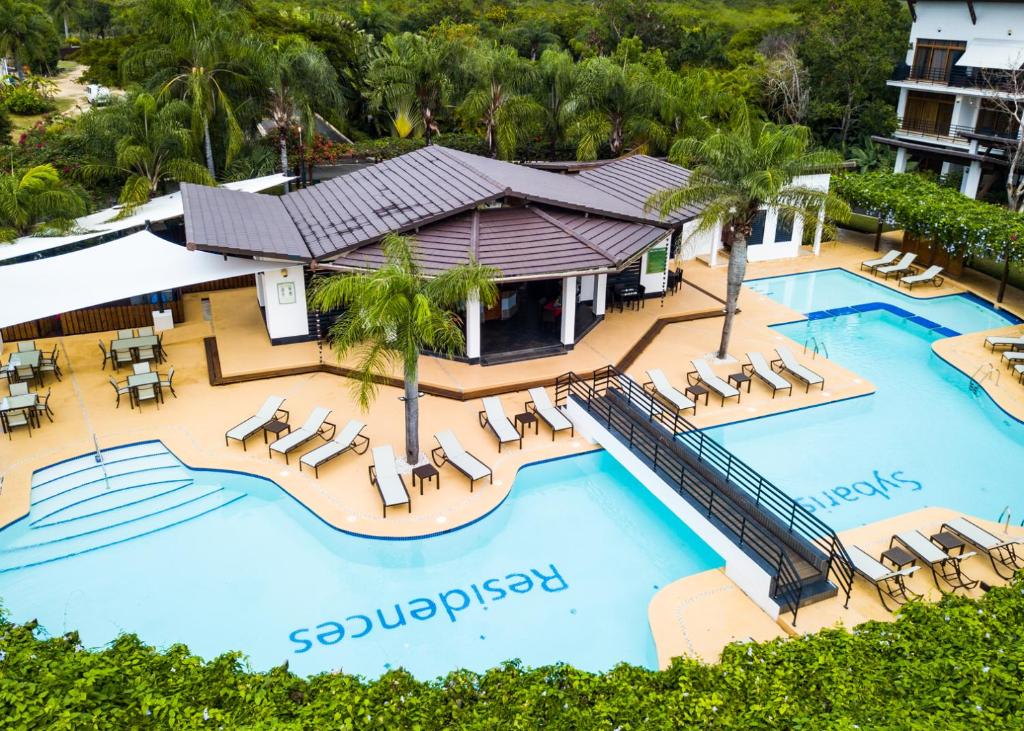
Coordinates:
(1000, 552)
(540, 404)
(18, 389)
(1004, 341)
(26, 346)
(316, 426)
(493, 417)
(146, 392)
(106, 356)
(888, 583)
(1012, 358)
(384, 476)
(43, 407)
(48, 364)
(26, 373)
(270, 411)
(14, 418)
(351, 438)
(140, 368)
(702, 373)
(120, 357)
(941, 563)
(146, 353)
(125, 334)
(931, 274)
(759, 367)
(887, 258)
(119, 389)
(146, 331)
(450, 450)
(161, 354)
(788, 362)
(900, 267)
(658, 385)
(169, 382)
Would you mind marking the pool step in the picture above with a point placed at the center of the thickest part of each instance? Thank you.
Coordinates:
(99, 485)
(97, 474)
(69, 467)
(111, 500)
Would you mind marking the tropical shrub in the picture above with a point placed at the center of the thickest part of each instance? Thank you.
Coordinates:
(23, 99)
(6, 127)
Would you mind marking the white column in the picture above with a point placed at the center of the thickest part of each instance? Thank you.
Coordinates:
(569, 311)
(716, 243)
(901, 160)
(954, 119)
(600, 292)
(901, 105)
(473, 326)
(972, 179)
(819, 229)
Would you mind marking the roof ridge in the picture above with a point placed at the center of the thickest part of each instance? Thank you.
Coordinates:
(583, 239)
(458, 160)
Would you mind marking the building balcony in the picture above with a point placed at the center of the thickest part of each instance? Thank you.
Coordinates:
(950, 133)
(958, 77)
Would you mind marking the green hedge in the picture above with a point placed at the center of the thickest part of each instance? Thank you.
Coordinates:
(958, 664)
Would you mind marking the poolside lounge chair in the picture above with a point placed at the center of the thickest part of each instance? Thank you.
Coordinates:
(887, 258)
(1013, 357)
(493, 417)
(351, 438)
(316, 426)
(760, 367)
(659, 385)
(931, 274)
(941, 563)
(1000, 552)
(788, 362)
(450, 450)
(270, 411)
(702, 373)
(1004, 341)
(900, 267)
(384, 476)
(889, 583)
(1019, 370)
(540, 404)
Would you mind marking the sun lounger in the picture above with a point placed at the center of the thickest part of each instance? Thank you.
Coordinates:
(941, 563)
(888, 583)
(316, 426)
(450, 450)
(760, 367)
(1013, 357)
(931, 274)
(702, 373)
(493, 417)
(384, 476)
(1003, 341)
(659, 385)
(888, 258)
(900, 267)
(788, 362)
(1000, 552)
(351, 438)
(540, 404)
(1019, 370)
(270, 411)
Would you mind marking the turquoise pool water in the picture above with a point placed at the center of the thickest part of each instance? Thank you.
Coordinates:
(562, 571)
(925, 438)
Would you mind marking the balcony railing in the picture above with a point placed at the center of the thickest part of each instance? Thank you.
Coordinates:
(963, 77)
(926, 128)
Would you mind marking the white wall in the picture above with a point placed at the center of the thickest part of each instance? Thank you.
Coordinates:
(952, 21)
(587, 288)
(693, 245)
(655, 283)
(285, 320)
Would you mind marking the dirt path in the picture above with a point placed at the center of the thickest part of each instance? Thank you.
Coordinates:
(70, 90)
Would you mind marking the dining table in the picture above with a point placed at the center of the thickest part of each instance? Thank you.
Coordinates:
(21, 359)
(25, 401)
(133, 344)
(137, 380)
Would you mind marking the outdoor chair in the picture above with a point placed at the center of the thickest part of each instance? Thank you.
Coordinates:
(1004, 341)
(270, 411)
(18, 389)
(169, 382)
(900, 267)
(106, 355)
(145, 331)
(350, 439)
(146, 392)
(942, 565)
(888, 258)
(140, 368)
(1012, 358)
(540, 404)
(161, 354)
(493, 417)
(119, 389)
(26, 346)
(121, 357)
(759, 367)
(932, 274)
(26, 373)
(125, 334)
(1000, 552)
(43, 407)
(15, 418)
(384, 476)
(316, 426)
(48, 364)
(702, 373)
(888, 583)
(788, 362)
(449, 450)
(146, 353)
(1019, 370)
(659, 386)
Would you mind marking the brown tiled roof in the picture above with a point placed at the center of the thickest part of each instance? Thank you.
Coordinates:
(632, 180)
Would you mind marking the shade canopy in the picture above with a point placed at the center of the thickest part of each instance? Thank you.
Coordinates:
(135, 265)
(1005, 54)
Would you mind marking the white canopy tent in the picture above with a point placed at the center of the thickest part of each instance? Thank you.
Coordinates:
(1006, 54)
(135, 265)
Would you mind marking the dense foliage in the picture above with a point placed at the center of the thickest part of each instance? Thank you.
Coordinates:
(958, 664)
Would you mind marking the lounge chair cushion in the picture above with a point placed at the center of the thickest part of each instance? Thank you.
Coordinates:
(337, 445)
(793, 366)
(926, 276)
(886, 258)
(304, 433)
(458, 456)
(389, 483)
(254, 423)
(978, 535)
(765, 372)
(669, 392)
(498, 421)
(712, 381)
(902, 265)
(555, 418)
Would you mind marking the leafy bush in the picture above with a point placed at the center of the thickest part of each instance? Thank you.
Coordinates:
(5, 127)
(958, 664)
(23, 99)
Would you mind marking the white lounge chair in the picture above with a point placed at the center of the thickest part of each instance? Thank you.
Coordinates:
(788, 362)
(450, 450)
(659, 385)
(493, 417)
(1004, 341)
(760, 367)
(887, 258)
(384, 476)
(1000, 552)
(1013, 357)
(1019, 370)
(316, 426)
(540, 404)
(903, 265)
(931, 274)
(270, 411)
(889, 583)
(702, 373)
(941, 563)
(351, 438)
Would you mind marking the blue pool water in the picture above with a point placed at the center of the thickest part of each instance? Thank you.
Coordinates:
(925, 438)
(562, 571)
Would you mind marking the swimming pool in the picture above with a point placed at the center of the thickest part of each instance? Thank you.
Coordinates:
(563, 570)
(926, 437)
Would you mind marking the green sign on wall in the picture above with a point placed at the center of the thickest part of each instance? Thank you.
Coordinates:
(657, 261)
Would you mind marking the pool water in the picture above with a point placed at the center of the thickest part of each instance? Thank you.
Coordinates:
(926, 437)
(563, 570)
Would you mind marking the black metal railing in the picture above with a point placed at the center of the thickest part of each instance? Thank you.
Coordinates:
(946, 130)
(963, 77)
(759, 516)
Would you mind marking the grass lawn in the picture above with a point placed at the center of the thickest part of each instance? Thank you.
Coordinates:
(24, 123)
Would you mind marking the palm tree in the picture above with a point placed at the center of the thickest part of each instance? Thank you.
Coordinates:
(64, 9)
(154, 146)
(392, 314)
(738, 172)
(555, 88)
(25, 31)
(36, 199)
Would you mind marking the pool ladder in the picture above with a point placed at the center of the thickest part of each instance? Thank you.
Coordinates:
(100, 461)
(981, 374)
(1005, 517)
(817, 347)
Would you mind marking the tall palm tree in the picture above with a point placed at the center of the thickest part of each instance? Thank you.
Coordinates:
(25, 31)
(391, 315)
(739, 171)
(36, 199)
(555, 88)
(64, 9)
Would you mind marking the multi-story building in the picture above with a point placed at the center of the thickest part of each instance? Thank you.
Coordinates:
(963, 58)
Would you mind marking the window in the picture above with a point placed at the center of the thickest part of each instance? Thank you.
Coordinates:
(934, 59)
(757, 229)
(994, 121)
(783, 230)
(929, 114)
